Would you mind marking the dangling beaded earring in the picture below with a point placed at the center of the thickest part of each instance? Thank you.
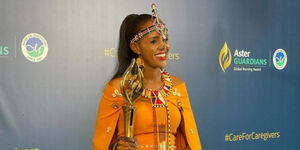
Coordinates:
(140, 62)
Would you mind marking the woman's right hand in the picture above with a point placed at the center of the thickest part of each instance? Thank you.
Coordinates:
(125, 143)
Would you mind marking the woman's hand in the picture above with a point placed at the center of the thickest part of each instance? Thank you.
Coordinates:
(125, 143)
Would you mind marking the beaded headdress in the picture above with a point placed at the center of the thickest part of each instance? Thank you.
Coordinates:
(157, 26)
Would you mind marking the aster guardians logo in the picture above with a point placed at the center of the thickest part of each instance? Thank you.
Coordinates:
(224, 57)
(34, 47)
(279, 59)
(241, 60)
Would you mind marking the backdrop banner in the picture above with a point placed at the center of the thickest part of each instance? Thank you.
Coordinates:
(237, 57)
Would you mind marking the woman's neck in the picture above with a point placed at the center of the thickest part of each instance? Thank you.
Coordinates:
(152, 78)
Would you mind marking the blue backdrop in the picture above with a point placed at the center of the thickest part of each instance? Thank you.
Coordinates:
(56, 56)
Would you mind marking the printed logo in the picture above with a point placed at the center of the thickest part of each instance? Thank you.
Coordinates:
(34, 47)
(225, 57)
(279, 59)
(241, 60)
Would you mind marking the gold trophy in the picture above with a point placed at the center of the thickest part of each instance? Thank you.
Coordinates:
(131, 88)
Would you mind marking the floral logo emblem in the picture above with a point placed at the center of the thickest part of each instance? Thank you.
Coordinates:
(225, 57)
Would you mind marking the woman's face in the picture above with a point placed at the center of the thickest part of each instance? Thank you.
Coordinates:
(153, 48)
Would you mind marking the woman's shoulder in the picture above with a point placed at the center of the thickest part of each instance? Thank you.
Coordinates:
(176, 80)
(112, 89)
(115, 83)
(179, 86)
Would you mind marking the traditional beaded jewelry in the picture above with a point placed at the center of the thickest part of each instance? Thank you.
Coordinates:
(169, 126)
(157, 96)
(158, 26)
(141, 34)
(158, 101)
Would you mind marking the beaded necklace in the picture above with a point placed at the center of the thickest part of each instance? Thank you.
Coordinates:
(157, 96)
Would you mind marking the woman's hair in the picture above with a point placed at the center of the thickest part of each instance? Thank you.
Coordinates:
(129, 28)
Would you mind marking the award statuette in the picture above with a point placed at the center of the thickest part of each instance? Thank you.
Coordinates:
(131, 88)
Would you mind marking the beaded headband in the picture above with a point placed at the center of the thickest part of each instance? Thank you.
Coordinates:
(157, 26)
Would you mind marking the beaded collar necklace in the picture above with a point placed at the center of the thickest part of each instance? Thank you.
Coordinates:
(157, 96)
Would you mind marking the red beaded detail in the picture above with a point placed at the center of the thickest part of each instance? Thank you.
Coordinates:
(157, 96)
(148, 30)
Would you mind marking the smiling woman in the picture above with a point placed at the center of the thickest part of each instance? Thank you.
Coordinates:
(163, 117)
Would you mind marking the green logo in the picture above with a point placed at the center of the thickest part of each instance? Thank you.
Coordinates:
(34, 47)
(279, 59)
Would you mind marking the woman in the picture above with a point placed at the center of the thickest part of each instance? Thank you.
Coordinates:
(163, 119)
